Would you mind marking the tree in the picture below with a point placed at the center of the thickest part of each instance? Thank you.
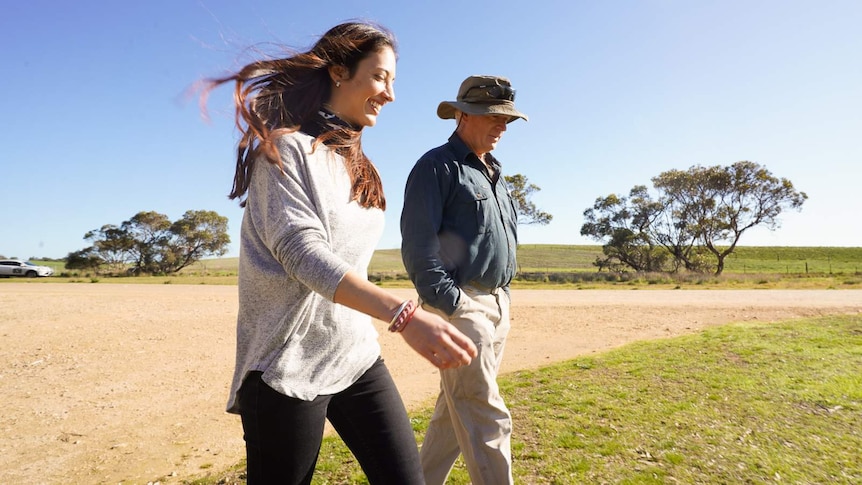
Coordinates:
(150, 243)
(625, 222)
(521, 192)
(195, 235)
(86, 259)
(718, 204)
(674, 231)
(150, 232)
(696, 211)
(111, 244)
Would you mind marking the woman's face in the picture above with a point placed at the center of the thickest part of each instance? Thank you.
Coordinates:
(358, 100)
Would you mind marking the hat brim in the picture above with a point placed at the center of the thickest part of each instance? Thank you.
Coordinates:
(446, 109)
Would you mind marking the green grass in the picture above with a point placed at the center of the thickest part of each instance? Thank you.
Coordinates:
(580, 258)
(744, 259)
(795, 260)
(740, 403)
(746, 403)
(571, 266)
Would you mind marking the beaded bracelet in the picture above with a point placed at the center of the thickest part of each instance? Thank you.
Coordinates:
(402, 316)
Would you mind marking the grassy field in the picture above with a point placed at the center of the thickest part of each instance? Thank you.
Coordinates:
(571, 266)
(780, 260)
(740, 403)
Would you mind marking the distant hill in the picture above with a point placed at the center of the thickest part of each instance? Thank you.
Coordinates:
(745, 259)
(579, 258)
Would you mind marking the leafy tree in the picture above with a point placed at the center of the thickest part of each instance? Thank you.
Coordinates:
(718, 204)
(112, 245)
(521, 192)
(697, 210)
(625, 222)
(150, 243)
(86, 259)
(674, 231)
(195, 235)
(150, 232)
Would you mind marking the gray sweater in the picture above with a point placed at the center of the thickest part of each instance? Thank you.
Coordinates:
(300, 234)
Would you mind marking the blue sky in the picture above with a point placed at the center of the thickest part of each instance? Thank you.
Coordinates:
(96, 127)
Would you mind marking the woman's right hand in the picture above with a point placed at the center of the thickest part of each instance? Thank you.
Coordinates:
(431, 336)
(438, 341)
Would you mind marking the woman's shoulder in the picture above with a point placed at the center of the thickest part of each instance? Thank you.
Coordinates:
(300, 154)
(293, 151)
(295, 139)
(299, 147)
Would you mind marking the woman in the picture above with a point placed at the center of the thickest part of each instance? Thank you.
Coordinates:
(306, 346)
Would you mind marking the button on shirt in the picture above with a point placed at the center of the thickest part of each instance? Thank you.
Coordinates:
(458, 225)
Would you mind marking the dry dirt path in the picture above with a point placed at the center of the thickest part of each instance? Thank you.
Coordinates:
(127, 383)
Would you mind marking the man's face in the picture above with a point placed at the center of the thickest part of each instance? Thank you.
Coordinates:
(482, 132)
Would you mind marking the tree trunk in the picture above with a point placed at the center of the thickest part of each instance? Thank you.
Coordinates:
(720, 266)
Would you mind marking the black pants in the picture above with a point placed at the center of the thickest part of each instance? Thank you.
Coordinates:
(283, 434)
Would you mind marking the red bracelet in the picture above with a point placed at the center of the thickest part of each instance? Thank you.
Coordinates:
(402, 316)
(398, 312)
(409, 317)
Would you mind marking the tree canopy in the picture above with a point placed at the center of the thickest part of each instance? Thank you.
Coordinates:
(695, 221)
(522, 192)
(150, 243)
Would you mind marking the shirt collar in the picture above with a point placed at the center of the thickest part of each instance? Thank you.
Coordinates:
(463, 152)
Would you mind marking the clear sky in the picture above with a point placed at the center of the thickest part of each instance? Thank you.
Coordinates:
(96, 128)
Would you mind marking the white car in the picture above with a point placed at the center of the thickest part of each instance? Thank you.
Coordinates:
(14, 267)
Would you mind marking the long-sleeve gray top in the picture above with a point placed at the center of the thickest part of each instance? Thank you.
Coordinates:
(300, 234)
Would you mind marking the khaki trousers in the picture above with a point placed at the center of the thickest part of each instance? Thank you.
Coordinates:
(470, 417)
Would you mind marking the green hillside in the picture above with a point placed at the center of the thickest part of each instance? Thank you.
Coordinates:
(745, 259)
(558, 266)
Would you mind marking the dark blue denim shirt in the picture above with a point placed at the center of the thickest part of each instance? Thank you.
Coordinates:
(458, 226)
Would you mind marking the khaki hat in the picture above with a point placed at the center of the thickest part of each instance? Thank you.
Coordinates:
(483, 95)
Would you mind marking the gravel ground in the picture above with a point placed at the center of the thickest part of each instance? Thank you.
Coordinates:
(127, 383)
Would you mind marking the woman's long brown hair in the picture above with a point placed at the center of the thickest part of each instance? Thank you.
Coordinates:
(277, 96)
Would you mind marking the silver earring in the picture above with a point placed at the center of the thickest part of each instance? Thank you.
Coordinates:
(337, 84)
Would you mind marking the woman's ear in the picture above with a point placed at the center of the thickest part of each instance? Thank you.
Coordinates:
(338, 74)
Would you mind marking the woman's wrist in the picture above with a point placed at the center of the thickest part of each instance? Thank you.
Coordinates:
(402, 316)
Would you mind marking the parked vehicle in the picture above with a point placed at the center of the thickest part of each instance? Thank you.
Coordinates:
(14, 267)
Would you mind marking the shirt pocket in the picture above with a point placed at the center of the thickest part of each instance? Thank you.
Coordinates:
(473, 210)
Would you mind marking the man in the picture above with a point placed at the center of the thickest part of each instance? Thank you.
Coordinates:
(458, 230)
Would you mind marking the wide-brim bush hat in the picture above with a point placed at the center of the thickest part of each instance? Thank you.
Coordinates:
(483, 95)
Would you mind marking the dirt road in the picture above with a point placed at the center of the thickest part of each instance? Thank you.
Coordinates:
(127, 383)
